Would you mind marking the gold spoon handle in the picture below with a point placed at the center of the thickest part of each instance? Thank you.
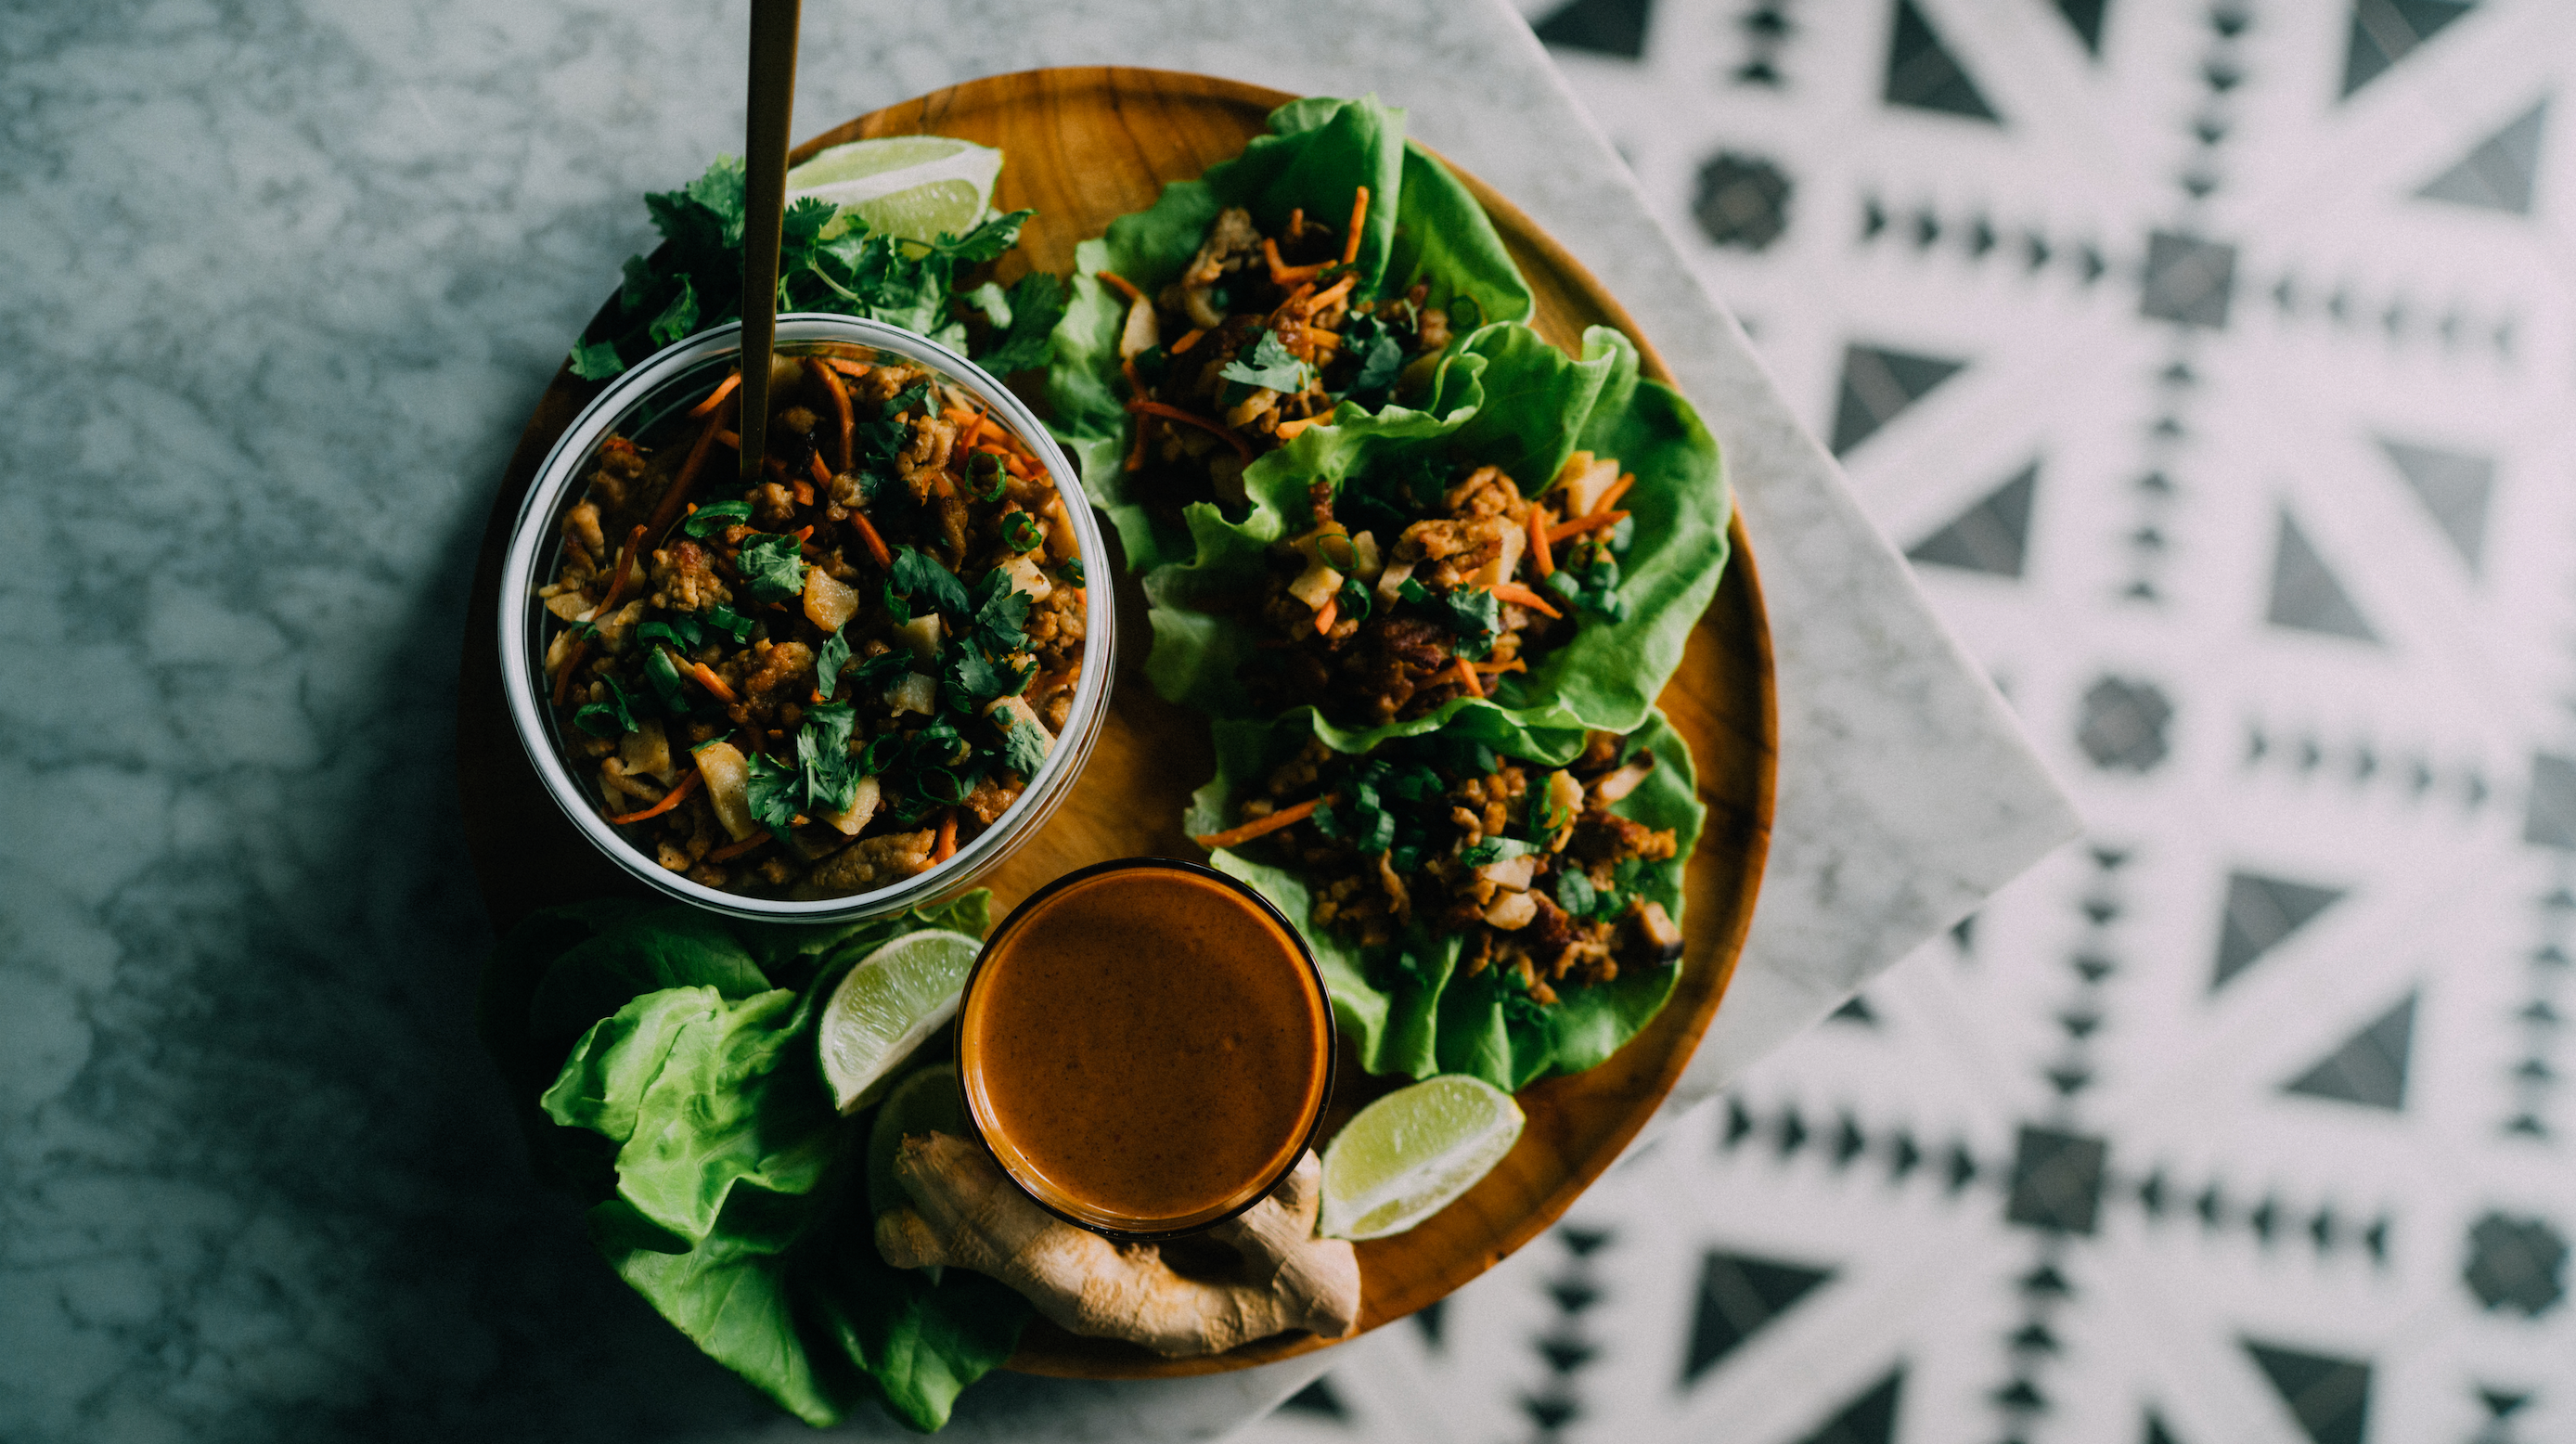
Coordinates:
(773, 97)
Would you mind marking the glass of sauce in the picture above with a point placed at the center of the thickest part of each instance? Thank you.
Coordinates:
(1145, 1045)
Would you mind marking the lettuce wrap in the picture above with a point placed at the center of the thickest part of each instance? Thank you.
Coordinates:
(1407, 1007)
(670, 1057)
(1503, 397)
(1422, 226)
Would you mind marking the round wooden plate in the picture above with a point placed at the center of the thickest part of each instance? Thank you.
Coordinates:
(1086, 146)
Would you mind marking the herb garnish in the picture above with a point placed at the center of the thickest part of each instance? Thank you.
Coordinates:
(771, 566)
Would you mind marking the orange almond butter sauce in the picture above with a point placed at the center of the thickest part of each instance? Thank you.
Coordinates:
(1145, 1049)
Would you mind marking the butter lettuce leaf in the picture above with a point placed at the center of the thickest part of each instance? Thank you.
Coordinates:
(1406, 1006)
(1421, 225)
(1507, 398)
(721, 1183)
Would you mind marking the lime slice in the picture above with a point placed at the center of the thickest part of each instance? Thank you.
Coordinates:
(886, 1007)
(918, 187)
(1409, 1154)
(924, 1102)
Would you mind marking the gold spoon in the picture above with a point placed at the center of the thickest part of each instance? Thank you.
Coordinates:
(764, 146)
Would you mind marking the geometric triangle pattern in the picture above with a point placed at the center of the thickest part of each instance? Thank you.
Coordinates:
(2330, 1397)
(1600, 27)
(2086, 17)
(2454, 487)
(1923, 74)
(2260, 912)
(1738, 1294)
(2387, 31)
(2305, 595)
(1878, 383)
(1991, 537)
(2370, 1067)
(1869, 1419)
(2497, 175)
(2254, 1115)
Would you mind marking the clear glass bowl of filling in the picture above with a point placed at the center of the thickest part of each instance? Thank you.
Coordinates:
(918, 541)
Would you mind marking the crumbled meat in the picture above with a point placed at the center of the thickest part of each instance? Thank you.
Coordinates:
(773, 506)
(924, 459)
(990, 800)
(685, 580)
(875, 861)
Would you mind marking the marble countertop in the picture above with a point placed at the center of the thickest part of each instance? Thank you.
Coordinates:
(284, 281)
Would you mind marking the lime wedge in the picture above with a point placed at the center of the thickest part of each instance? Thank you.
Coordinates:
(924, 1102)
(1410, 1154)
(917, 187)
(886, 1007)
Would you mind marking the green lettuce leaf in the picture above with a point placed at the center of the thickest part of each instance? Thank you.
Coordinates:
(1504, 397)
(1422, 224)
(723, 1185)
(1430, 1020)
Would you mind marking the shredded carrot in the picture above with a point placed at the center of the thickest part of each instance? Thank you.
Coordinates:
(1186, 342)
(1617, 489)
(841, 412)
(1515, 592)
(847, 367)
(1329, 295)
(1287, 430)
(730, 439)
(803, 533)
(966, 434)
(668, 510)
(775, 467)
(1260, 827)
(803, 491)
(1296, 298)
(1466, 671)
(1296, 223)
(822, 473)
(708, 679)
(616, 587)
(1174, 413)
(876, 544)
(669, 800)
(1124, 286)
(732, 850)
(1542, 560)
(1359, 215)
(1135, 379)
(1496, 669)
(716, 397)
(1582, 524)
(947, 847)
(1281, 273)
(1327, 614)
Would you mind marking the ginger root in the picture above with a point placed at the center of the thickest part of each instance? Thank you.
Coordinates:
(968, 1215)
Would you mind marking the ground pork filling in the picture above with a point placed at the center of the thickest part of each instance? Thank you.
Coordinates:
(1530, 864)
(1421, 582)
(903, 540)
(1261, 336)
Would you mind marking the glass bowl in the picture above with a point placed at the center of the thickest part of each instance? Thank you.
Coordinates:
(672, 381)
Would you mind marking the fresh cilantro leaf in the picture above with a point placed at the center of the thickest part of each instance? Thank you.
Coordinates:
(664, 674)
(681, 631)
(777, 790)
(1024, 748)
(733, 622)
(919, 576)
(1072, 570)
(771, 566)
(969, 675)
(1036, 304)
(1270, 365)
(1022, 531)
(1001, 613)
(1376, 832)
(1575, 893)
(678, 320)
(913, 397)
(595, 360)
(884, 667)
(1474, 615)
(829, 659)
(1413, 782)
(992, 303)
(804, 222)
(1381, 357)
(721, 191)
(879, 442)
(715, 516)
(612, 718)
(823, 754)
(984, 243)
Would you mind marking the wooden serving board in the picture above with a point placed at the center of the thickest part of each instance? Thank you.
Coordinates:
(1085, 146)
